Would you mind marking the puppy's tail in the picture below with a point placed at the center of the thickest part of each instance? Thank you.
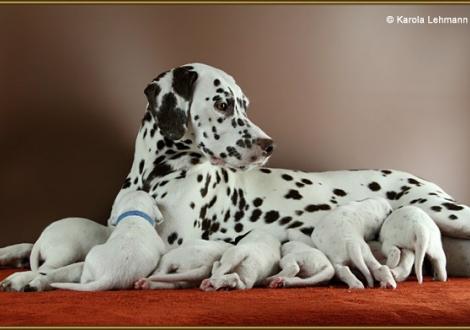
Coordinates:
(98, 285)
(197, 274)
(422, 243)
(34, 257)
(357, 258)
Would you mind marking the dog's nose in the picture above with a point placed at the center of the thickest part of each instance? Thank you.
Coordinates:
(267, 145)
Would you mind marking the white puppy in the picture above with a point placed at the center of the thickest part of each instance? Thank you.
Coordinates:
(302, 265)
(249, 263)
(186, 266)
(407, 230)
(341, 235)
(131, 252)
(62, 243)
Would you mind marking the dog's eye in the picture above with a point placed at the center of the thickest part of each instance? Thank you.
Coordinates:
(222, 106)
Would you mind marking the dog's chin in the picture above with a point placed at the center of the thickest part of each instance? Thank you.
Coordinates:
(239, 166)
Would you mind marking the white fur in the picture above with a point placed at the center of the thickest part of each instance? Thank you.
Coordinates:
(131, 252)
(410, 228)
(302, 265)
(245, 265)
(342, 235)
(63, 242)
(186, 266)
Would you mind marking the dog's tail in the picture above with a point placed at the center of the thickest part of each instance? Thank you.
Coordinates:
(101, 284)
(34, 257)
(357, 258)
(197, 274)
(422, 243)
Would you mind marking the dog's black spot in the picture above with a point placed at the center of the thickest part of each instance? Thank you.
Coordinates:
(239, 215)
(299, 212)
(192, 205)
(238, 238)
(436, 208)
(265, 170)
(160, 144)
(386, 172)
(216, 82)
(453, 217)
(452, 206)
(212, 202)
(271, 216)
(306, 181)
(317, 207)
(257, 202)
(295, 224)
(235, 197)
(238, 227)
(299, 184)
(287, 177)
(171, 120)
(172, 238)
(183, 82)
(391, 195)
(339, 192)
(126, 183)
(374, 186)
(255, 215)
(285, 220)
(293, 194)
(206, 186)
(227, 216)
(414, 182)
(307, 231)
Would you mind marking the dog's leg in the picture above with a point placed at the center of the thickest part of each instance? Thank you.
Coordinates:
(67, 274)
(392, 253)
(16, 255)
(145, 284)
(322, 276)
(56, 259)
(356, 254)
(17, 281)
(193, 275)
(381, 273)
(289, 267)
(345, 275)
(438, 260)
(403, 270)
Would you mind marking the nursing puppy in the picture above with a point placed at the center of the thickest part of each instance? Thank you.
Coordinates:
(131, 252)
(186, 266)
(302, 265)
(249, 263)
(342, 235)
(61, 243)
(411, 229)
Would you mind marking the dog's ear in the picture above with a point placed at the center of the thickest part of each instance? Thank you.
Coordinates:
(169, 99)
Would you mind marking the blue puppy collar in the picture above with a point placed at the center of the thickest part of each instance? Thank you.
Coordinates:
(135, 213)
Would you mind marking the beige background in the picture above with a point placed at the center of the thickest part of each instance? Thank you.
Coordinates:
(336, 87)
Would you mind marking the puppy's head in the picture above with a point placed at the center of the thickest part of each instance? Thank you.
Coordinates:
(135, 201)
(205, 104)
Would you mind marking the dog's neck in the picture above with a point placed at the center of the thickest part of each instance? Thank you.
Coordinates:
(157, 157)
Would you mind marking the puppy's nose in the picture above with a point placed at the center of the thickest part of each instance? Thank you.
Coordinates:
(267, 145)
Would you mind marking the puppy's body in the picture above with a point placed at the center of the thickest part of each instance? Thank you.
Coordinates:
(131, 252)
(62, 243)
(186, 266)
(410, 228)
(247, 264)
(342, 235)
(302, 265)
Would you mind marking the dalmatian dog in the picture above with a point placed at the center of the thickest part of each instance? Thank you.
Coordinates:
(186, 266)
(342, 236)
(202, 159)
(410, 229)
(131, 252)
(62, 243)
(245, 265)
(302, 265)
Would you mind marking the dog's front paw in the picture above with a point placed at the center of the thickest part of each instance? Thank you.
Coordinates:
(356, 285)
(277, 282)
(142, 284)
(206, 285)
(17, 281)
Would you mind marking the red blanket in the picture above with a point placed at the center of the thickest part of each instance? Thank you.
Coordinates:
(433, 303)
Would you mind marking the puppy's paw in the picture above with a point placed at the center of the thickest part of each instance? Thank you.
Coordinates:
(142, 284)
(277, 282)
(206, 285)
(357, 285)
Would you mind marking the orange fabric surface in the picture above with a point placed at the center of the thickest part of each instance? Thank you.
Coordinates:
(433, 303)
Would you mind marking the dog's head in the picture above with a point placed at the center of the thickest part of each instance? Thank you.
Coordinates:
(135, 200)
(205, 104)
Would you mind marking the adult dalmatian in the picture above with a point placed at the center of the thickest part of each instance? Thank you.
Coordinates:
(201, 158)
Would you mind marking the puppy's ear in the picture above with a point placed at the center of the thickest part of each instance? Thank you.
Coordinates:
(169, 99)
